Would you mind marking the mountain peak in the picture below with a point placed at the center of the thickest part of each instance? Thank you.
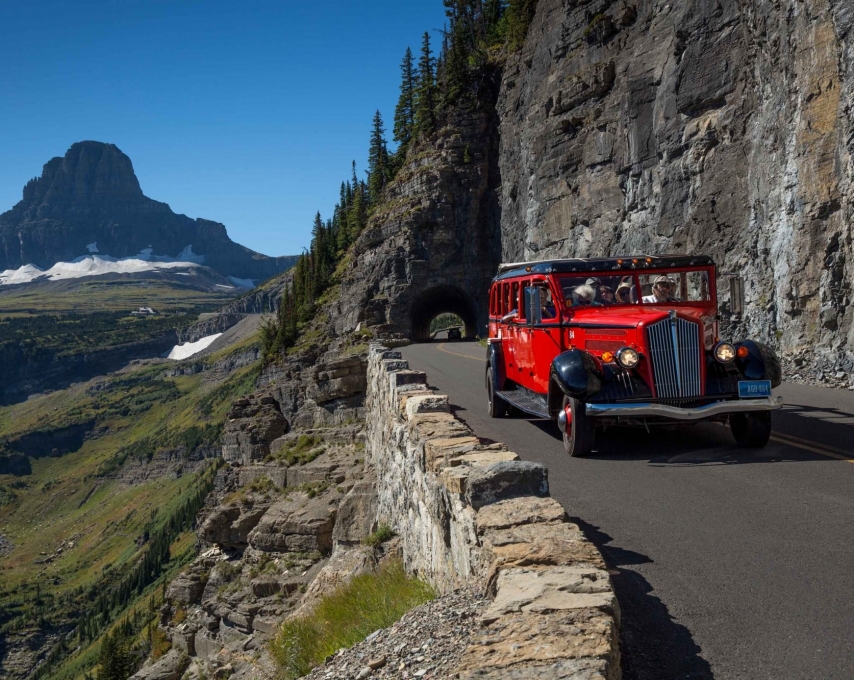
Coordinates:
(89, 172)
(91, 195)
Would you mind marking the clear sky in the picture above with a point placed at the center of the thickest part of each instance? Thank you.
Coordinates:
(240, 111)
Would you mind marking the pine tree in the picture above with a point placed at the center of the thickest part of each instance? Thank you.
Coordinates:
(425, 100)
(404, 113)
(378, 163)
(456, 58)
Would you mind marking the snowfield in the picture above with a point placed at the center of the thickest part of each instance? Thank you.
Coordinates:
(242, 283)
(94, 265)
(188, 349)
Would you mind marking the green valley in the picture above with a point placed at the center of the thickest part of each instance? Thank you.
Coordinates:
(101, 487)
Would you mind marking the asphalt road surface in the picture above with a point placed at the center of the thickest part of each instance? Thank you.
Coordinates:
(727, 563)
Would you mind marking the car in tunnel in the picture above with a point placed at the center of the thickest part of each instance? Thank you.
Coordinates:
(597, 342)
(454, 333)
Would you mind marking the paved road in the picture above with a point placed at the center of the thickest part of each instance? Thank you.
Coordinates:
(729, 564)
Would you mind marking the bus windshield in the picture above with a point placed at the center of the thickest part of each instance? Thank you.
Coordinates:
(649, 288)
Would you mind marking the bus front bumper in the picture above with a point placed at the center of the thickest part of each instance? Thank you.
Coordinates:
(650, 410)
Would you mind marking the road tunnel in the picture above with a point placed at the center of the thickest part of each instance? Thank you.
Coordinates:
(440, 300)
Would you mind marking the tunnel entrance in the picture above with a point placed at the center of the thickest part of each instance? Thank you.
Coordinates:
(440, 300)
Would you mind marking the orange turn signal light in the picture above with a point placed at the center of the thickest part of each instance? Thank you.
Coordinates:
(607, 357)
(742, 352)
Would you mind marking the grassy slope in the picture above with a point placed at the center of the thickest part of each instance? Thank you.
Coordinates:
(68, 500)
(98, 295)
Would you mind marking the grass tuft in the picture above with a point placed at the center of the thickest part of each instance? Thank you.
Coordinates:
(383, 533)
(304, 450)
(347, 616)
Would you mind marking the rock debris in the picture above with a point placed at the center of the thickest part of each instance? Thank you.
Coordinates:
(427, 643)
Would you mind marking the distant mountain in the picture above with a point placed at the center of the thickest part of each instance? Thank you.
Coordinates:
(89, 204)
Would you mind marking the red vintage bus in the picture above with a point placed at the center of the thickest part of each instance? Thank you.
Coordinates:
(624, 340)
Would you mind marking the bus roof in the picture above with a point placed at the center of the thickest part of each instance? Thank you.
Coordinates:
(601, 264)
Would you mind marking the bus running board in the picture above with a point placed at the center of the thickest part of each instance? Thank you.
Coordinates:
(527, 401)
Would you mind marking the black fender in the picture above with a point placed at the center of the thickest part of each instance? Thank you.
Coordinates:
(495, 361)
(576, 375)
(761, 363)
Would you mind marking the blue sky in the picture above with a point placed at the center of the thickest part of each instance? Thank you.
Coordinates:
(248, 113)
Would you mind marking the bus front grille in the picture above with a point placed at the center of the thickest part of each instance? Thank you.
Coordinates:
(674, 347)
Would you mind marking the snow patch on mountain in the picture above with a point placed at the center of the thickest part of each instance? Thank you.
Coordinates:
(188, 349)
(242, 283)
(95, 265)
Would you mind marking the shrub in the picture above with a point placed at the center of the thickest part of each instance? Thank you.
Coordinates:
(383, 533)
(347, 616)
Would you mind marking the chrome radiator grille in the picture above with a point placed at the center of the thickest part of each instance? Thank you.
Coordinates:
(674, 345)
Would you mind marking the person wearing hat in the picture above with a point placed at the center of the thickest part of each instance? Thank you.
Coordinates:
(662, 287)
(624, 293)
(596, 284)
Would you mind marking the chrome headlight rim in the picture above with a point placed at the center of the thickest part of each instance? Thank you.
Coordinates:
(627, 357)
(728, 351)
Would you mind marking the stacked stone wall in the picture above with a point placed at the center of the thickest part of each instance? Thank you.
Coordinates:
(469, 513)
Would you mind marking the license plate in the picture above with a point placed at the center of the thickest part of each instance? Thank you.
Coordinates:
(752, 389)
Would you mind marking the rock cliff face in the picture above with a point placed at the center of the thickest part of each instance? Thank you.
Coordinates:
(434, 245)
(722, 128)
(93, 196)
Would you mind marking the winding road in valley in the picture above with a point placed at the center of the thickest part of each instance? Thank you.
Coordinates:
(727, 563)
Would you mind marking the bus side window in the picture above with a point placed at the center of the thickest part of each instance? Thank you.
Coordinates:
(514, 297)
(526, 301)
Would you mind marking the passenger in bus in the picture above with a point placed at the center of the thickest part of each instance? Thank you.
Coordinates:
(624, 293)
(547, 305)
(662, 291)
(607, 295)
(596, 283)
(584, 295)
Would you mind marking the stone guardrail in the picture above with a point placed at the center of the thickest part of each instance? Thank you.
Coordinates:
(469, 513)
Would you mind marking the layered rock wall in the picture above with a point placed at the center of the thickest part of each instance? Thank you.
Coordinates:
(469, 513)
(723, 128)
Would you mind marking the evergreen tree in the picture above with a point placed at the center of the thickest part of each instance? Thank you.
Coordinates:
(404, 113)
(378, 162)
(425, 99)
(517, 17)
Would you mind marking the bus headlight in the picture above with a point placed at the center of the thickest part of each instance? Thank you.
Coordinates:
(724, 352)
(627, 357)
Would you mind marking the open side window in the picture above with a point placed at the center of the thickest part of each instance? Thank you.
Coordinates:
(539, 305)
(514, 298)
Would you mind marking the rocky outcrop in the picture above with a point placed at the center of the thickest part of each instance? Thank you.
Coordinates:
(720, 128)
(253, 423)
(91, 195)
(299, 523)
(320, 386)
(469, 513)
(270, 540)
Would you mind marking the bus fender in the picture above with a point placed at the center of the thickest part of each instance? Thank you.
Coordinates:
(576, 373)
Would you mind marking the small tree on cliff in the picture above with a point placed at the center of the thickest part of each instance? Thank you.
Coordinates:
(404, 113)
(425, 100)
(378, 160)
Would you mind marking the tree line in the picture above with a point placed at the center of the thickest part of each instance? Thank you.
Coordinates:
(478, 33)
